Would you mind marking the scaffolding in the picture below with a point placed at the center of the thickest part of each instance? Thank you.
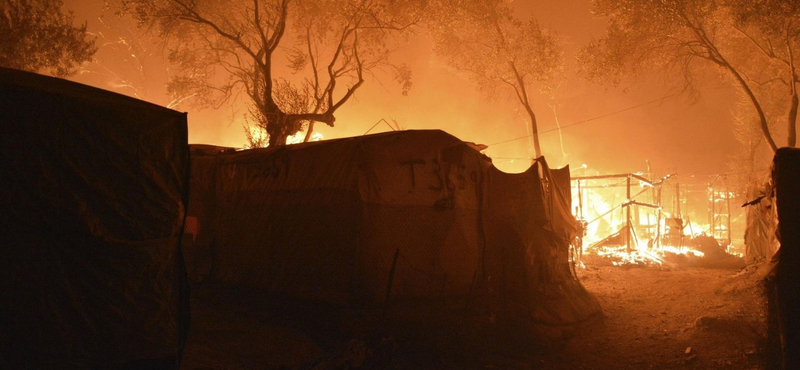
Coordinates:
(715, 197)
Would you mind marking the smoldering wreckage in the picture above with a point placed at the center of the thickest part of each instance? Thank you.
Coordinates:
(110, 216)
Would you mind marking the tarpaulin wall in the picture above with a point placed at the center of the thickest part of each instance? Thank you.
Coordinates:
(419, 198)
(286, 221)
(92, 205)
(784, 287)
(201, 215)
(528, 229)
(759, 237)
(325, 220)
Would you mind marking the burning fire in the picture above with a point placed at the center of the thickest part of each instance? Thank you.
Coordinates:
(260, 135)
(627, 224)
(300, 136)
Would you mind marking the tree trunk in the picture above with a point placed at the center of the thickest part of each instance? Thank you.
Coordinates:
(792, 137)
(309, 132)
(535, 129)
(761, 116)
(283, 125)
(277, 139)
(277, 128)
(717, 58)
(522, 95)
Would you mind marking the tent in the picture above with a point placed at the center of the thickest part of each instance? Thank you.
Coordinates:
(783, 284)
(93, 202)
(760, 231)
(408, 215)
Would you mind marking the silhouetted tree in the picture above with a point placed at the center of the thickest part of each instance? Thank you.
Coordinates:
(36, 36)
(224, 47)
(485, 39)
(773, 28)
(688, 35)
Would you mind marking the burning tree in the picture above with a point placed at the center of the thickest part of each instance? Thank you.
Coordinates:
(484, 39)
(225, 47)
(35, 35)
(687, 35)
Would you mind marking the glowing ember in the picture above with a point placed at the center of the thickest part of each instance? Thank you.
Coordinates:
(300, 136)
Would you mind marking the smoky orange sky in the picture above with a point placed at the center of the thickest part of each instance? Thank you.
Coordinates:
(687, 135)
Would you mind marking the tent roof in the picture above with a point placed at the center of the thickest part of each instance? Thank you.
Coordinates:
(423, 137)
(94, 197)
(56, 86)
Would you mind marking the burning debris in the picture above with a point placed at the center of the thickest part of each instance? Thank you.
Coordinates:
(623, 220)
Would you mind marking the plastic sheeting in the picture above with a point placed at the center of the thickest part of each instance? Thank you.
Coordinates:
(785, 303)
(324, 221)
(92, 209)
(528, 229)
(760, 238)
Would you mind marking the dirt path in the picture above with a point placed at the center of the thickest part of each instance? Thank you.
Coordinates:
(652, 316)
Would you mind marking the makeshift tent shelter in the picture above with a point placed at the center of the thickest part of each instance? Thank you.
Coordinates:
(93, 198)
(760, 238)
(412, 214)
(783, 285)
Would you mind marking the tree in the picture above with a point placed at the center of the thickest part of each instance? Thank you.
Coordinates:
(773, 28)
(747, 132)
(225, 47)
(683, 36)
(36, 36)
(484, 39)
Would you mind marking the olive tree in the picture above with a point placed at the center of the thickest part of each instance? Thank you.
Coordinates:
(224, 48)
(687, 36)
(498, 50)
(36, 36)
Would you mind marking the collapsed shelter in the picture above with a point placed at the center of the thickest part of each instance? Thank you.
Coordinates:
(93, 198)
(406, 215)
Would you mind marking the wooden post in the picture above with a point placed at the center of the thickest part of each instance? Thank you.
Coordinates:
(628, 215)
(580, 200)
(471, 287)
(713, 213)
(728, 205)
(657, 243)
(391, 281)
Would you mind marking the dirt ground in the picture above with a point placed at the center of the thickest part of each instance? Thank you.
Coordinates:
(681, 318)
(669, 319)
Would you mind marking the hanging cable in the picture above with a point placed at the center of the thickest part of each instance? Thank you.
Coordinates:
(587, 120)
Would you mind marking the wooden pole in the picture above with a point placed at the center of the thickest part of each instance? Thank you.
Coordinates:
(728, 205)
(391, 281)
(615, 176)
(628, 216)
(658, 220)
(713, 213)
(580, 200)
